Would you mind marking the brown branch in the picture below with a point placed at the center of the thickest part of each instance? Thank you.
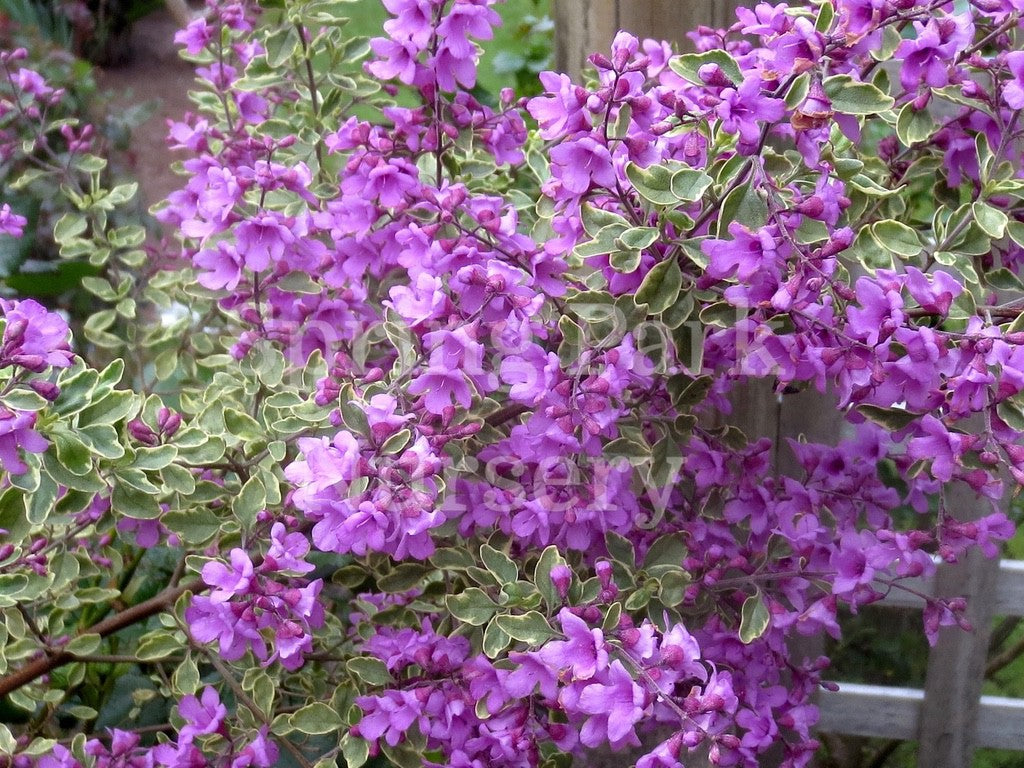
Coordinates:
(133, 615)
(507, 413)
(1005, 658)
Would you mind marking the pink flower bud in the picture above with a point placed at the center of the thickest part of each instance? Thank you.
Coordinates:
(561, 578)
(46, 389)
(141, 432)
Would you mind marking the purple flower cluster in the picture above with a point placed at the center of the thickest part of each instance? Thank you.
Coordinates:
(34, 341)
(202, 716)
(499, 406)
(246, 608)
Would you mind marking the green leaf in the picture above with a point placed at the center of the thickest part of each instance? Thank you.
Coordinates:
(625, 262)
(111, 409)
(496, 640)
(68, 226)
(1012, 412)
(316, 718)
(1003, 279)
(852, 97)
(355, 750)
(549, 558)
(72, 453)
(991, 220)
(83, 645)
(158, 645)
(754, 618)
(897, 237)
(653, 184)
(596, 219)
(90, 163)
(620, 548)
(404, 577)
(572, 341)
(500, 564)
(826, 13)
(41, 501)
(250, 501)
(660, 287)
(196, 525)
(688, 65)
(396, 442)
(666, 551)
(743, 204)
(186, 676)
(893, 419)
(370, 670)
(689, 185)
(913, 125)
(638, 238)
(131, 502)
(471, 606)
(531, 627)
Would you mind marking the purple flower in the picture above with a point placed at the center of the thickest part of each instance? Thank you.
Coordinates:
(195, 36)
(233, 626)
(615, 706)
(394, 60)
(581, 162)
(423, 300)
(202, 716)
(263, 240)
(742, 109)
(1013, 90)
(261, 752)
(232, 581)
(463, 21)
(34, 338)
(442, 385)
(389, 715)
(927, 57)
(742, 257)
(560, 111)
(223, 267)
(11, 223)
(16, 432)
(940, 446)
(880, 311)
(583, 653)
(286, 552)
(414, 21)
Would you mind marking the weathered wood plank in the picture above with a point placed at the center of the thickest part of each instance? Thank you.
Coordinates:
(894, 713)
(956, 664)
(583, 27)
(871, 710)
(1009, 591)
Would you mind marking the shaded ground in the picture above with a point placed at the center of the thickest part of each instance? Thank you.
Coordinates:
(154, 73)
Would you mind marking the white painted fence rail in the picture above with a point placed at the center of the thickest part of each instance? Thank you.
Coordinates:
(941, 717)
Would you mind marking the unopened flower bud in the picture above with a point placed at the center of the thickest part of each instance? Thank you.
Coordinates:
(139, 430)
(46, 389)
(34, 363)
(712, 74)
(561, 579)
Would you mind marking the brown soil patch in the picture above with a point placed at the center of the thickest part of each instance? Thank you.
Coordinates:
(154, 72)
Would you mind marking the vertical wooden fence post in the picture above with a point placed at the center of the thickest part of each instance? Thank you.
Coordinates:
(956, 665)
(583, 27)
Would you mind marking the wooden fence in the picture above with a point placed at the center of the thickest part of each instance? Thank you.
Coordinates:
(949, 718)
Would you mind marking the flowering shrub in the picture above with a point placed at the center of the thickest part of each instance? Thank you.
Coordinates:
(407, 449)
